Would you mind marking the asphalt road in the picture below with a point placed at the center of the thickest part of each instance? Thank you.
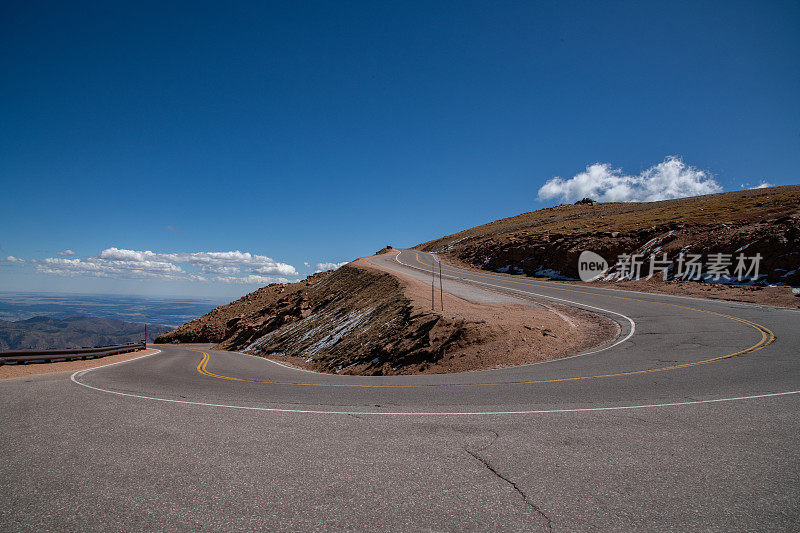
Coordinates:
(689, 420)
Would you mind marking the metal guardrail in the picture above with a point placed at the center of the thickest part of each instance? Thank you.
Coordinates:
(48, 356)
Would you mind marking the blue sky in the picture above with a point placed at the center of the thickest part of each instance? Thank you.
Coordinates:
(319, 132)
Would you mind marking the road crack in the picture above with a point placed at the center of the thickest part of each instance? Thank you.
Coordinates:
(513, 485)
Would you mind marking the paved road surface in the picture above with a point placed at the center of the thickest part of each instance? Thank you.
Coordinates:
(688, 421)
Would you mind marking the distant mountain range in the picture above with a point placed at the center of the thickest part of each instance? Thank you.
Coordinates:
(48, 333)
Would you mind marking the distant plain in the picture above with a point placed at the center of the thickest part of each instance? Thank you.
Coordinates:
(168, 311)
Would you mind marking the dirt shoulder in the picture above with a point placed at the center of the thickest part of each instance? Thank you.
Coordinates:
(32, 369)
(467, 336)
(779, 296)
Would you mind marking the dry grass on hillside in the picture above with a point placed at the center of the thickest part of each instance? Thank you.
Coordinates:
(733, 207)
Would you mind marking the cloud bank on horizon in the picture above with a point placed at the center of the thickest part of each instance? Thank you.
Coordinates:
(672, 178)
(225, 267)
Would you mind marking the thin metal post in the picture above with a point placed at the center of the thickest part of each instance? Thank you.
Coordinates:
(441, 290)
(433, 280)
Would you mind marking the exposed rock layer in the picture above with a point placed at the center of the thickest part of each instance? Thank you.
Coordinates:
(356, 321)
(213, 326)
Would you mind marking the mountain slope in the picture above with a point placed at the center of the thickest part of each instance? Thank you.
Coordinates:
(549, 241)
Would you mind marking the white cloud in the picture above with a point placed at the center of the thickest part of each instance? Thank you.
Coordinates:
(762, 185)
(669, 179)
(216, 269)
(216, 262)
(12, 259)
(322, 267)
(143, 264)
(106, 268)
(66, 252)
(252, 279)
(307, 264)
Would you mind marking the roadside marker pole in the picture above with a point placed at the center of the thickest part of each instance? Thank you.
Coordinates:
(441, 290)
(433, 280)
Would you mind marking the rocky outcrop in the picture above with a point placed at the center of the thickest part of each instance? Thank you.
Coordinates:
(362, 320)
(355, 322)
(215, 325)
(350, 321)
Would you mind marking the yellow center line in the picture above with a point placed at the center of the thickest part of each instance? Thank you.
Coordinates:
(767, 337)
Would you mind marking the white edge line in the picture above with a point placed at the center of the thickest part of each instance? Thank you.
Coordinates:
(280, 364)
(79, 373)
(412, 413)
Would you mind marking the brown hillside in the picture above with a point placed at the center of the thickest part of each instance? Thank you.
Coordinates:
(548, 241)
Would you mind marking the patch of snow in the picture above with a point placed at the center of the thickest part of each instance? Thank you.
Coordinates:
(551, 273)
(508, 269)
